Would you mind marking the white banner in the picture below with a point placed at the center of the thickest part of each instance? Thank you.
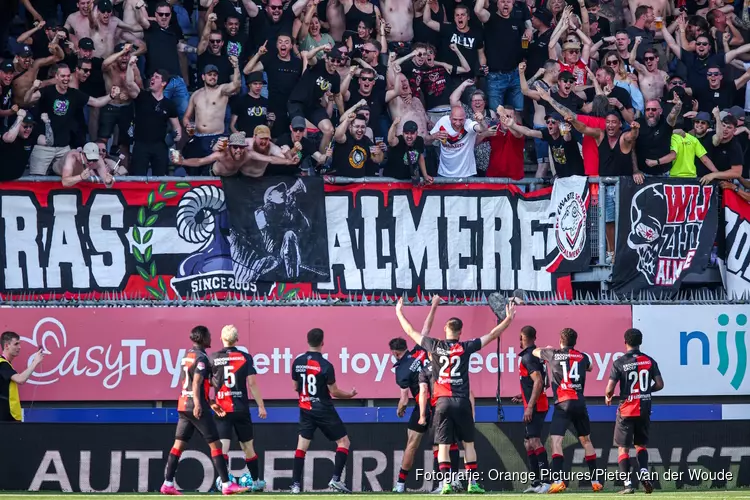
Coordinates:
(701, 350)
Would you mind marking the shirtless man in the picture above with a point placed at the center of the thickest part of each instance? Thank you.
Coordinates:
(79, 24)
(399, 18)
(402, 105)
(78, 166)
(251, 156)
(651, 79)
(27, 69)
(130, 17)
(208, 105)
(662, 8)
(335, 19)
(119, 112)
(105, 29)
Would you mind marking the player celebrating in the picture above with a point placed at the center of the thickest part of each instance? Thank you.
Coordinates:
(194, 412)
(638, 376)
(569, 367)
(233, 374)
(453, 415)
(315, 382)
(535, 406)
(408, 368)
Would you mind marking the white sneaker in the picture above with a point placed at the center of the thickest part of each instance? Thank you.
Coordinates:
(531, 489)
(399, 488)
(295, 489)
(457, 486)
(437, 490)
(338, 486)
(542, 488)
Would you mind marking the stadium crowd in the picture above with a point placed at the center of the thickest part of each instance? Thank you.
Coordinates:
(403, 88)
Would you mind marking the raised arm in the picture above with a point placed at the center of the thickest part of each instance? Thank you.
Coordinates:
(233, 87)
(141, 15)
(12, 133)
(525, 89)
(199, 162)
(340, 135)
(298, 6)
(251, 8)
(743, 79)
(455, 99)
(464, 67)
(732, 54)
(676, 110)
(207, 28)
(305, 27)
(32, 95)
(427, 18)
(640, 68)
(430, 319)
(254, 63)
(115, 56)
(719, 132)
(673, 46)
(100, 102)
(510, 123)
(407, 327)
(480, 10)
(510, 311)
(25, 37)
(392, 137)
(584, 129)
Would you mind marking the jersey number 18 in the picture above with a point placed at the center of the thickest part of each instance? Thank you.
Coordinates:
(309, 384)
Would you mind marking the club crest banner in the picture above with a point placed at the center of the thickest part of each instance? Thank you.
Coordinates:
(737, 245)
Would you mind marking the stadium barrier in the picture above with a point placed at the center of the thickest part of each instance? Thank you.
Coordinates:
(129, 458)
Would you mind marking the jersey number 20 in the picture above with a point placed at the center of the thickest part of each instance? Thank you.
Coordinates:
(638, 381)
(454, 362)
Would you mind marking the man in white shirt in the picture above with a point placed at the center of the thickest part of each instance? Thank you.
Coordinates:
(457, 136)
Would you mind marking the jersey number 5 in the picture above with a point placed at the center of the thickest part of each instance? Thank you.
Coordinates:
(230, 379)
(446, 361)
(638, 381)
(309, 387)
(573, 374)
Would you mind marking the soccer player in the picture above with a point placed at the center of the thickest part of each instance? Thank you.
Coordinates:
(408, 367)
(638, 376)
(315, 382)
(535, 406)
(194, 412)
(233, 374)
(453, 418)
(569, 367)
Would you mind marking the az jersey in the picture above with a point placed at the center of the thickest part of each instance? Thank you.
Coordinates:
(568, 368)
(195, 362)
(231, 369)
(450, 365)
(313, 374)
(635, 372)
(530, 364)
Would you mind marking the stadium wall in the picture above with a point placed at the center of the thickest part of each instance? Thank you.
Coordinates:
(128, 458)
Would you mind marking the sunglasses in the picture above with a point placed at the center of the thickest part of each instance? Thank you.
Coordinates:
(366, 79)
(85, 70)
(568, 81)
(678, 82)
(701, 44)
(275, 7)
(236, 147)
(696, 122)
(299, 129)
(163, 14)
(573, 51)
(652, 109)
(367, 51)
(713, 73)
(216, 41)
(613, 62)
(649, 59)
(551, 122)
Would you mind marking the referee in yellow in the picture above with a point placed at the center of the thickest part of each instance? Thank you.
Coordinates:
(10, 379)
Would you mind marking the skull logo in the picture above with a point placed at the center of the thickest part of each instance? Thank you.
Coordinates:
(646, 228)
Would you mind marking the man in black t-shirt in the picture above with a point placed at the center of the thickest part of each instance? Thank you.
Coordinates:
(355, 155)
(406, 155)
(319, 81)
(274, 20)
(315, 381)
(251, 109)
(309, 156)
(618, 97)
(366, 89)
(470, 41)
(237, 43)
(153, 114)
(233, 374)
(719, 93)
(564, 95)
(211, 50)
(16, 146)
(653, 146)
(727, 155)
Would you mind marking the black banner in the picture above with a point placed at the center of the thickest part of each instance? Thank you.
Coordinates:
(278, 229)
(131, 457)
(667, 228)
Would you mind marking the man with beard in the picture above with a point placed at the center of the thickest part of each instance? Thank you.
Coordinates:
(40, 37)
(308, 153)
(79, 165)
(617, 96)
(82, 73)
(16, 146)
(274, 20)
(249, 157)
(403, 105)
(27, 69)
(719, 93)
(366, 90)
(105, 27)
(211, 51)
(209, 106)
(120, 111)
(655, 138)
(283, 69)
(406, 156)
(7, 108)
(355, 155)
(615, 147)
(79, 23)
(251, 109)
(62, 104)
(306, 99)
(650, 78)
(153, 114)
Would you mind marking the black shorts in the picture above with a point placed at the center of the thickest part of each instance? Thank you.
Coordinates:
(240, 422)
(314, 114)
(454, 420)
(112, 115)
(414, 420)
(328, 421)
(187, 424)
(631, 431)
(570, 413)
(534, 428)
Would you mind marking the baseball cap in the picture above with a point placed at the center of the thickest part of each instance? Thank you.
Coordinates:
(703, 116)
(237, 139)
(86, 44)
(24, 51)
(544, 16)
(262, 131)
(119, 47)
(299, 122)
(255, 76)
(104, 6)
(737, 111)
(555, 116)
(7, 67)
(410, 127)
(91, 151)
(51, 24)
(29, 120)
(566, 76)
(210, 68)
